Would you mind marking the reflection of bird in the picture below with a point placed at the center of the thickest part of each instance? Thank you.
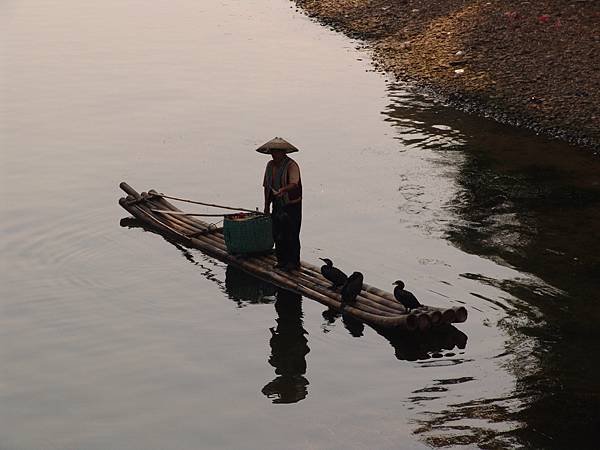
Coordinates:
(354, 326)
(352, 288)
(333, 274)
(408, 300)
(330, 315)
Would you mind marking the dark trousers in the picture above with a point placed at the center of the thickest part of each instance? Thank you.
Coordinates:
(286, 233)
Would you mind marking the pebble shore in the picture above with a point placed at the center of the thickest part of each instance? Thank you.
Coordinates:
(530, 64)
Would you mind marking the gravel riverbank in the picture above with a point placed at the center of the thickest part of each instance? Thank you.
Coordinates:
(531, 64)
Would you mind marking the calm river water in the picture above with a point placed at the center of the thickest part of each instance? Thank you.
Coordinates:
(112, 337)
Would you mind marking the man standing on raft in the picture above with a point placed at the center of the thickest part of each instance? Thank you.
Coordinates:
(283, 189)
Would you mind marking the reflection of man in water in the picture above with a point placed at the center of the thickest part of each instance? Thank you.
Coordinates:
(288, 351)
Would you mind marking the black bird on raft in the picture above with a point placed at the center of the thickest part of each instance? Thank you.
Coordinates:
(333, 274)
(408, 300)
(352, 288)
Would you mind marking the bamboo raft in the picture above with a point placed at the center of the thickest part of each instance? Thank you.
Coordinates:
(373, 306)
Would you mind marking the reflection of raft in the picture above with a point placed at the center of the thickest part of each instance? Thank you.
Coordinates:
(373, 305)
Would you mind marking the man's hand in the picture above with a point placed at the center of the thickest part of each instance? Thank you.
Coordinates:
(267, 210)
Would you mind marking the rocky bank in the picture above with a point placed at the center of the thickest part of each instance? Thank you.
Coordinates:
(533, 64)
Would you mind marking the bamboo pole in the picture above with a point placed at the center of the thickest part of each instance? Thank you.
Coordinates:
(160, 201)
(196, 225)
(304, 290)
(433, 316)
(151, 220)
(461, 313)
(405, 321)
(128, 189)
(190, 230)
(394, 304)
(302, 280)
(361, 303)
(180, 229)
(448, 314)
(387, 296)
(360, 298)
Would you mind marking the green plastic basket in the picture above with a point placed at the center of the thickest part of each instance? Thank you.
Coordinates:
(251, 234)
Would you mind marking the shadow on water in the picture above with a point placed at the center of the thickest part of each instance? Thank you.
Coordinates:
(289, 342)
(533, 205)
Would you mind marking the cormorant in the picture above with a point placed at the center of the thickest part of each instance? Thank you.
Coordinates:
(352, 288)
(333, 274)
(408, 300)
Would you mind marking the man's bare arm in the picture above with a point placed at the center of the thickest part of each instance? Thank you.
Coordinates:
(293, 180)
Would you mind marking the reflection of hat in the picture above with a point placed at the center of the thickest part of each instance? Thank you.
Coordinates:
(287, 389)
(276, 143)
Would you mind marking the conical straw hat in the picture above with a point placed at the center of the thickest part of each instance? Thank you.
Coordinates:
(276, 143)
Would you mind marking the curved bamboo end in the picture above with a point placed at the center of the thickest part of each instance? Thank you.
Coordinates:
(128, 189)
(411, 322)
(461, 314)
(448, 316)
(423, 321)
(435, 317)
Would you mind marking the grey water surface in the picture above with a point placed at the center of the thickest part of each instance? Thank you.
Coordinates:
(113, 337)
